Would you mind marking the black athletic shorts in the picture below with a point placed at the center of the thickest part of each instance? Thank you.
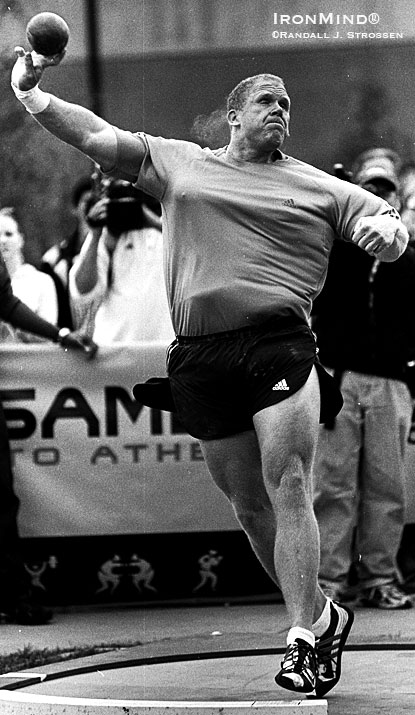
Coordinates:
(220, 381)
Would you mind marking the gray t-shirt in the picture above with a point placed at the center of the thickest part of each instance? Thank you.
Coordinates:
(243, 241)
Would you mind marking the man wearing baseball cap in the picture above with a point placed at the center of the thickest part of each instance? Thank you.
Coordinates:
(363, 320)
(376, 171)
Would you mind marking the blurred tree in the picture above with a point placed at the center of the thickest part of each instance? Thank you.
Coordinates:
(37, 171)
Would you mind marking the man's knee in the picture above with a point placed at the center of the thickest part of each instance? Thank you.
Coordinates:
(253, 515)
(292, 472)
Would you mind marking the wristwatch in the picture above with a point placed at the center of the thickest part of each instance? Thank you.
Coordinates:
(62, 334)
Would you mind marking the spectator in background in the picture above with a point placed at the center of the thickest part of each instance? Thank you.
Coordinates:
(58, 260)
(407, 197)
(17, 603)
(33, 287)
(117, 289)
(366, 334)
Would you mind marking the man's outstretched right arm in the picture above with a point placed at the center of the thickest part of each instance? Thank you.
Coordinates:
(73, 124)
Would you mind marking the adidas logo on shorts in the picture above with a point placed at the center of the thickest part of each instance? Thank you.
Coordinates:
(281, 385)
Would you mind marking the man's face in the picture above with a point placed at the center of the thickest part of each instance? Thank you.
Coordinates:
(384, 190)
(264, 118)
(11, 240)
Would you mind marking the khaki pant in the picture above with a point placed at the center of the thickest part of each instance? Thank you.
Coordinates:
(360, 481)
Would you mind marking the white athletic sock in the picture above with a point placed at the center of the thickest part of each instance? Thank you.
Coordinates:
(323, 621)
(298, 632)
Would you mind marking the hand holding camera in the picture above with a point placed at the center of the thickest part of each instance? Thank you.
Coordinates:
(119, 208)
(98, 214)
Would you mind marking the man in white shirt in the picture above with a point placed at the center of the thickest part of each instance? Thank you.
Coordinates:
(116, 286)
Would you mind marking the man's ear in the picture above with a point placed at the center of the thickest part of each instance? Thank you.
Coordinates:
(232, 117)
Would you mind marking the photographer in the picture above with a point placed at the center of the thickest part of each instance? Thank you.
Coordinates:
(116, 287)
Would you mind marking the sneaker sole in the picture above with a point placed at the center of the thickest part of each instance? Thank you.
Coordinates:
(324, 688)
(288, 684)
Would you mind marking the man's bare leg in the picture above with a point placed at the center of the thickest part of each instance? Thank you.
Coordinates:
(267, 477)
(287, 435)
(235, 465)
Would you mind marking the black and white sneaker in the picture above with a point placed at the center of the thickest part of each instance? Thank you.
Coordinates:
(330, 646)
(298, 668)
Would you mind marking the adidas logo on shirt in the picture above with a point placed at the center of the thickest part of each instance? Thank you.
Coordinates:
(281, 385)
(289, 202)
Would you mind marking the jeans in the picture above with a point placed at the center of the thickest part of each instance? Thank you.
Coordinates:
(360, 481)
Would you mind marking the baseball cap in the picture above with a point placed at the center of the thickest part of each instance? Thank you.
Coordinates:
(377, 165)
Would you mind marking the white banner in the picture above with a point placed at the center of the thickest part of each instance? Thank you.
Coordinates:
(89, 459)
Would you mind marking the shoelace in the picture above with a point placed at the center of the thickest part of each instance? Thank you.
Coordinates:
(301, 656)
(327, 651)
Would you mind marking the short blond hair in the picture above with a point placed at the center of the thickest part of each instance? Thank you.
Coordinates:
(237, 98)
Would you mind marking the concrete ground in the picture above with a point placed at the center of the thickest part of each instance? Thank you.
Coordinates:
(218, 653)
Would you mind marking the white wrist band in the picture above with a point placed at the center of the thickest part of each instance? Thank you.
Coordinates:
(34, 100)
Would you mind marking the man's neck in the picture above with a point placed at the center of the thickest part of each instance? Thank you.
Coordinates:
(13, 264)
(245, 152)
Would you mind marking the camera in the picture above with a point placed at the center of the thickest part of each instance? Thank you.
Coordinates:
(124, 207)
(125, 211)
